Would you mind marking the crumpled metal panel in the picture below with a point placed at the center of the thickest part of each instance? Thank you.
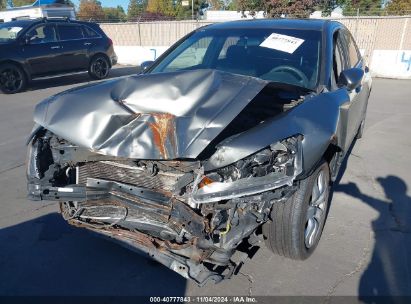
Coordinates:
(320, 119)
(153, 116)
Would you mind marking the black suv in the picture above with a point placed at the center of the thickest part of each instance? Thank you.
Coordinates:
(44, 47)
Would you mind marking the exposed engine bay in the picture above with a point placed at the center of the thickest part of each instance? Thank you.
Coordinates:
(190, 220)
(199, 221)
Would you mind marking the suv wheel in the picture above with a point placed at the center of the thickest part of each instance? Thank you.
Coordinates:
(12, 78)
(99, 67)
(298, 223)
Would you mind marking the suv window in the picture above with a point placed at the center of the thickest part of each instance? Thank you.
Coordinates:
(42, 34)
(90, 33)
(353, 53)
(70, 32)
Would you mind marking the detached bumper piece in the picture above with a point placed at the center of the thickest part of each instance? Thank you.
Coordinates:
(150, 223)
(159, 251)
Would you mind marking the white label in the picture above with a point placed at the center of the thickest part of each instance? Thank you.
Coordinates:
(65, 189)
(282, 43)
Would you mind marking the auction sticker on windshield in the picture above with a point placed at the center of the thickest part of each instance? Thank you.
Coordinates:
(282, 43)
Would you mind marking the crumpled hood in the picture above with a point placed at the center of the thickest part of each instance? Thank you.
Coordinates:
(153, 116)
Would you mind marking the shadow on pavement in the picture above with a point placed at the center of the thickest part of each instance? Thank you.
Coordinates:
(46, 256)
(69, 79)
(388, 273)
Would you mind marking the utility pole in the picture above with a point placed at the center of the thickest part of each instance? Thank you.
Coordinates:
(192, 9)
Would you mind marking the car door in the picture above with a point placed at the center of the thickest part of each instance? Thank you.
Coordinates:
(351, 110)
(359, 96)
(41, 48)
(74, 55)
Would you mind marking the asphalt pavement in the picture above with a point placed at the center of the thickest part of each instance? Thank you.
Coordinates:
(365, 249)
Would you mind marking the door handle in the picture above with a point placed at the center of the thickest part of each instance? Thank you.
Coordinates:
(87, 43)
(55, 47)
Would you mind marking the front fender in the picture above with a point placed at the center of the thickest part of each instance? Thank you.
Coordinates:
(317, 119)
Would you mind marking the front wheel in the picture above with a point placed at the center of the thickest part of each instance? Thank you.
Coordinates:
(99, 67)
(12, 79)
(298, 223)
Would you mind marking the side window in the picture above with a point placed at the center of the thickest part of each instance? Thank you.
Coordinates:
(229, 42)
(42, 34)
(70, 32)
(191, 56)
(90, 33)
(353, 53)
(339, 63)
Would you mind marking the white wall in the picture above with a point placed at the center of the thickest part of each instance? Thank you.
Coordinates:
(391, 64)
(231, 15)
(135, 55)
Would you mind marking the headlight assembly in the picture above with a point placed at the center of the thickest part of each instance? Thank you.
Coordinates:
(268, 169)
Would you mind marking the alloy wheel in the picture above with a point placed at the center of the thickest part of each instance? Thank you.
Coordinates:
(100, 68)
(316, 212)
(11, 80)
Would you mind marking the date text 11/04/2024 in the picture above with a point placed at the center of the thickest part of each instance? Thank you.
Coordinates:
(204, 299)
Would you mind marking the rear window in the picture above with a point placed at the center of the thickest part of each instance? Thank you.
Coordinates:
(70, 32)
(9, 32)
(90, 33)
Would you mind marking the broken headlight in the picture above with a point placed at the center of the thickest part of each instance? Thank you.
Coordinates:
(268, 169)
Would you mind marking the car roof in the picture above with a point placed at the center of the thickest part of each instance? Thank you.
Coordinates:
(306, 24)
(28, 22)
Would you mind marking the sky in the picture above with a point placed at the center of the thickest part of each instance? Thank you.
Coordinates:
(109, 3)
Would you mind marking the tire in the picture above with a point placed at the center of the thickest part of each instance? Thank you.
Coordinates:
(12, 78)
(298, 223)
(99, 67)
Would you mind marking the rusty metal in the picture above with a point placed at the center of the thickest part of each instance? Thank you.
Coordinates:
(164, 130)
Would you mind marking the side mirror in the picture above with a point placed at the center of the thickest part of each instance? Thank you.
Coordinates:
(145, 65)
(351, 78)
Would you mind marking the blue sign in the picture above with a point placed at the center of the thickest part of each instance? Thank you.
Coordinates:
(408, 61)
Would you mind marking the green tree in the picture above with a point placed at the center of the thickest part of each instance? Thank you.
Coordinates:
(292, 8)
(327, 6)
(217, 4)
(399, 7)
(164, 7)
(114, 14)
(135, 9)
(362, 7)
(252, 5)
(90, 10)
(2, 4)
(22, 2)
(232, 5)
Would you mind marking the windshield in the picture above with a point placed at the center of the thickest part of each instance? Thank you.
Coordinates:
(9, 32)
(280, 55)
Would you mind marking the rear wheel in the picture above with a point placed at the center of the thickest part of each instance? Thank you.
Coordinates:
(99, 67)
(298, 223)
(12, 78)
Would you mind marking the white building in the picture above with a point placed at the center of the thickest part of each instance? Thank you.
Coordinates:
(53, 10)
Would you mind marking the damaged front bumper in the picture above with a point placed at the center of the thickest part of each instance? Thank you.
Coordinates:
(200, 224)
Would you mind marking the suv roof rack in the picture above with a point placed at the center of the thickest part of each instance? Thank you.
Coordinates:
(57, 18)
